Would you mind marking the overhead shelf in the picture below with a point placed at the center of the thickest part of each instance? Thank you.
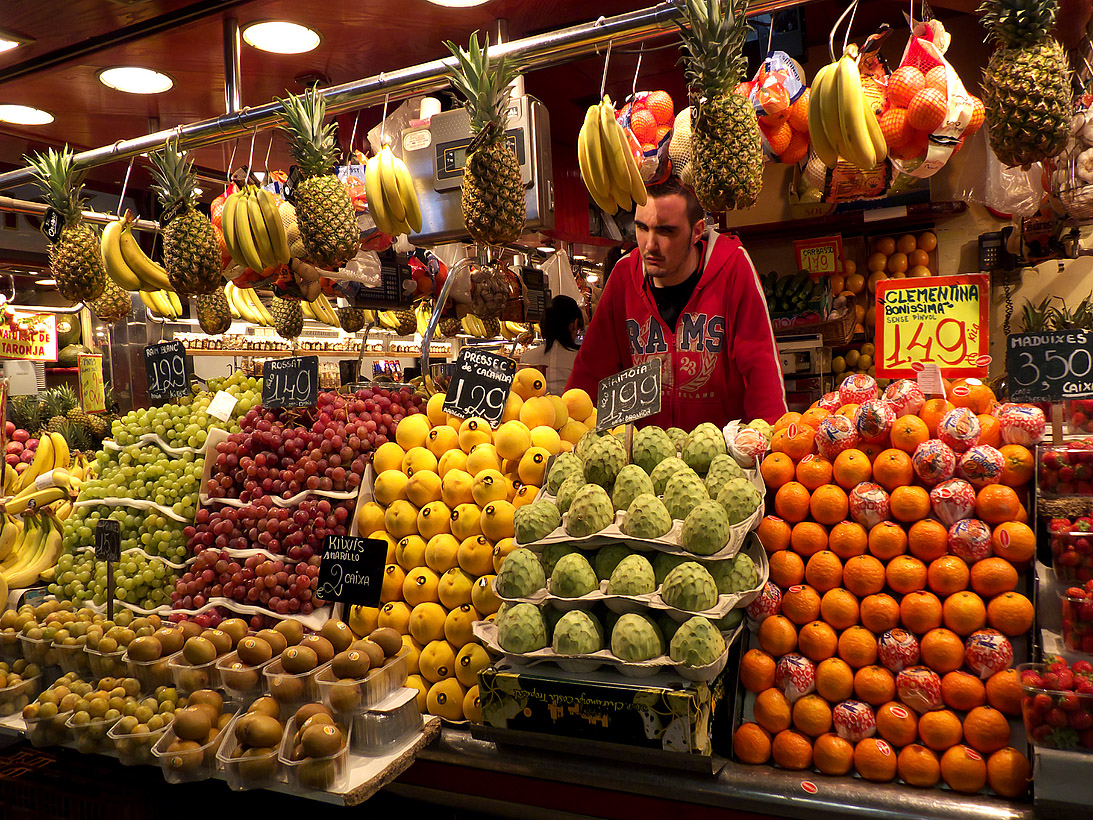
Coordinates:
(851, 222)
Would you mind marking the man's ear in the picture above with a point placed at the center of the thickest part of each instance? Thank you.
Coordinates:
(697, 231)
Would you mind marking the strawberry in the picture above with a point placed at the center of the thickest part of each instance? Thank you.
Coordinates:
(660, 105)
(1083, 668)
(1043, 702)
(1081, 720)
(1056, 717)
(1069, 702)
(1042, 734)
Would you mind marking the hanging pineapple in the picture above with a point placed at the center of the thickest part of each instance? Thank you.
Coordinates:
(324, 211)
(114, 305)
(1027, 95)
(75, 259)
(213, 314)
(726, 147)
(288, 317)
(351, 319)
(493, 190)
(191, 253)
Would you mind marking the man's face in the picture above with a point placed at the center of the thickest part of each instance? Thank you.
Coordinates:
(665, 237)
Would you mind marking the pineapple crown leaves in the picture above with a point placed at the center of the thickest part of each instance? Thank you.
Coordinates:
(60, 183)
(173, 175)
(313, 145)
(484, 88)
(713, 34)
(1016, 23)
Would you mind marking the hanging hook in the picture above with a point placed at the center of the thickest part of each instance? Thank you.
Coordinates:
(637, 70)
(383, 124)
(250, 159)
(850, 25)
(125, 185)
(352, 139)
(606, 63)
(770, 32)
(269, 149)
(231, 160)
(835, 29)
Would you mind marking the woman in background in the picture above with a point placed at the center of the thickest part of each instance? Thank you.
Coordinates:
(554, 357)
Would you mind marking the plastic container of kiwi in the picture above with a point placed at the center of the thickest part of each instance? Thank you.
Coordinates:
(190, 765)
(243, 684)
(135, 748)
(257, 771)
(388, 723)
(49, 731)
(352, 696)
(291, 690)
(151, 674)
(72, 658)
(189, 678)
(107, 664)
(322, 774)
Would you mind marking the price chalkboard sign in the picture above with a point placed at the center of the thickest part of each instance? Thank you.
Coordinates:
(108, 540)
(291, 382)
(480, 386)
(628, 396)
(1050, 366)
(52, 225)
(168, 369)
(351, 570)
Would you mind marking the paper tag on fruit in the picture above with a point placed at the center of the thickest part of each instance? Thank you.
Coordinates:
(929, 380)
(44, 481)
(222, 405)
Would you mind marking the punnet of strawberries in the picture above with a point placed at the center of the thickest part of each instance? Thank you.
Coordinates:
(1077, 606)
(1058, 703)
(1067, 470)
(1072, 548)
(1079, 415)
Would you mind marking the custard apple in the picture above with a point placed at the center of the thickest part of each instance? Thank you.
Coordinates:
(703, 444)
(608, 558)
(553, 553)
(564, 466)
(696, 643)
(636, 638)
(647, 517)
(678, 436)
(577, 633)
(568, 491)
(722, 468)
(651, 446)
(691, 587)
(668, 468)
(737, 575)
(740, 499)
(665, 563)
(573, 577)
(633, 576)
(521, 574)
(587, 440)
(521, 629)
(590, 511)
(535, 520)
(705, 529)
(683, 493)
(631, 482)
(605, 457)
(763, 426)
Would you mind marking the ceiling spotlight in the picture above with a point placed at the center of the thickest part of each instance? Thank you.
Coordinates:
(10, 40)
(592, 278)
(24, 115)
(45, 282)
(135, 80)
(280, 37)
(545, 249)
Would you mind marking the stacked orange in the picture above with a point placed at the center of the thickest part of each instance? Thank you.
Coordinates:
(852, 589)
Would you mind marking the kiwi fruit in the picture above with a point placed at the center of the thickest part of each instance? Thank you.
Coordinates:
(239, 676)
(338, 633)
(389, 640)
(317, 774)
(189, 629)
(145, 649)
(185, 756)
(191, 679)
(320, 740)
(323, 649)
(265, 706)
(351, 664)
(318, 719)
(207, 697)
(257, 764)
(253, 651)
(170, 639)
(192, 723)
(275, 639)
(199, 650)
(221, 640)
(236, 629)
(286, 689)
(309, 709)
(299, 659)
(372, 649)
(292, 630)
(345, 696)
(258, 730)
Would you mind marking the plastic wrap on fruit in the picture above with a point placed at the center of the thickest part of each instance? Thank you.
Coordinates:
(970, 539)
(647, 120)
(769, 602)
(854, 720)
(858, 388)
(960, 429)
(934, 461)
(905, 396)
(982, 465)
(835, 434)
(874, 420)
(920, 688)
(898, 649)
(987, 652)
(748, 446)
(1021, 424)
(778, 94)
(869, 504)
(795, 675)
(830, 401)
(952, 501)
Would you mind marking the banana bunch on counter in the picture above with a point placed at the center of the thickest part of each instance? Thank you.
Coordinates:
(27, 549)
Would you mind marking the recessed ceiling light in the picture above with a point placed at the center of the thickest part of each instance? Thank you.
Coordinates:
(10, 40)
(135, 80)
(24, 115)
(459, 4)
(280, 37)
(47, 282)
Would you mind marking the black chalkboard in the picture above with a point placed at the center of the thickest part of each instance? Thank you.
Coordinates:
(52, 225)
(168, 369)
(480, 386)
(1050, 366)
(351, 570)
(291, 382)
(628, 396)
(108, 540)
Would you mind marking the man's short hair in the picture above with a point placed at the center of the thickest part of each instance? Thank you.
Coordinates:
(673, 185)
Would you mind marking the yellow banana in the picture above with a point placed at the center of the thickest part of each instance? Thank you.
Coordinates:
(329, 316)
(856, 145)
(247, 247)
(61, 456)
(390, 186)
(637, 185)
(227, 221)
(161, 304)
(176, 303)
(46, 553)
(30, 549)
(258, 230)
(876, 136)
(305, 308)
(611, 140)
(32, 501)
(590, 159)
(64, 511)
(373, 189)
(152, 275)
(43, 458)
(258, 306)
(274, 226)
(825, 149)
(9, 534)
(231, 303)
(113, 259)
(407, 194)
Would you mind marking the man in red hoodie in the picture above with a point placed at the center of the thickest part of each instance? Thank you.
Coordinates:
(692, 298)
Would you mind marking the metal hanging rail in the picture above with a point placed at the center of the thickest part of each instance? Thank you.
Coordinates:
(538, 51)
(22, 206)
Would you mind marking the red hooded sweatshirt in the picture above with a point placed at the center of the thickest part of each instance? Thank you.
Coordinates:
(720, 361)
